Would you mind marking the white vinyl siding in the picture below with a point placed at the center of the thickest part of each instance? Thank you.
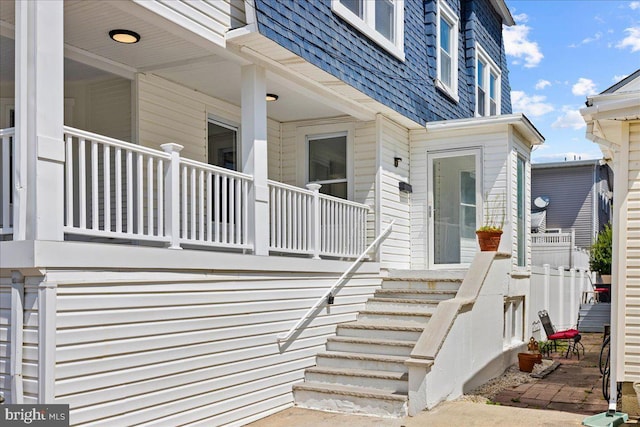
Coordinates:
(394, 204)
(172, 348)
(169, 112)
(493, 145)
(631, 278)
(5, 337)
(210, 19)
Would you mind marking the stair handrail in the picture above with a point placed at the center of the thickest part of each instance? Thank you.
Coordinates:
(382, 236)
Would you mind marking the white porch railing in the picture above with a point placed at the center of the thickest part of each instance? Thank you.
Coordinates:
(113, 188)
(307, 222)
(6, 170)
(214, 205)
(119, 190)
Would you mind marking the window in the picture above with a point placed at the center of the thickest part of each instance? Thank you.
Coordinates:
(222, 143)
(521, 226)
(487, 85)
(328, 163)
(380, 20)
(447, 52)
(513, 326)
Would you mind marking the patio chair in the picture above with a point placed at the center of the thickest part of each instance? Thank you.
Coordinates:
(572, 336)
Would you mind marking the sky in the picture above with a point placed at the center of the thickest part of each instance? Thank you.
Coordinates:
(561, 51)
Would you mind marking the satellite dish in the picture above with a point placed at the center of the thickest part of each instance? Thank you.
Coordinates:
(541, 202)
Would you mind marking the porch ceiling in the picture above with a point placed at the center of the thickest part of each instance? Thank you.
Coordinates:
(165, 49)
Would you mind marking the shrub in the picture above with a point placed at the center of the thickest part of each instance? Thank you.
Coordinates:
(600, 259)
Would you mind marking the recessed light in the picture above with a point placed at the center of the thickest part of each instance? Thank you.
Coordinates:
(124, 36)
(271, 97)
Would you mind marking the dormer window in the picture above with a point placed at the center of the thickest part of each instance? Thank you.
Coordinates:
(380, 20)
(487, 84)
(447, 36)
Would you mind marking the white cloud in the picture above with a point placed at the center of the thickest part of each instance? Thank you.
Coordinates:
(571, 119)
(597, 36)
(542, 84)
(584, 87)
(632, 40)
(521, 17)
(634, 5)
(532, 106)
(617, 77)
(518, 45)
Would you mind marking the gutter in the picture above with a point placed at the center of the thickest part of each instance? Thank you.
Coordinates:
(16, 337)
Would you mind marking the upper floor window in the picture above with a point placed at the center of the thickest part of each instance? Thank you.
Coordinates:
(447, 52)
(380, 20)
(487, 85)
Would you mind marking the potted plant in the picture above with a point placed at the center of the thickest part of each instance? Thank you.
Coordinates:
(600, 261)
(491, 231)
(533, 356)
(600, 257)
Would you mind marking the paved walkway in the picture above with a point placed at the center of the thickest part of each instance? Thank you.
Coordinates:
(563, 398)
(575, 386)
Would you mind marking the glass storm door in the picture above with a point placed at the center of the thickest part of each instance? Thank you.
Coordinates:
(454, 207)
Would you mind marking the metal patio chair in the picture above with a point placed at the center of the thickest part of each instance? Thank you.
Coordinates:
(572, 336)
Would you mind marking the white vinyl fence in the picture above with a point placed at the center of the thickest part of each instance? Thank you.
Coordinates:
(558, 249)
(558, 291)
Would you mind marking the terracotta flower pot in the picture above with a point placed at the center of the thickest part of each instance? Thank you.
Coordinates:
(527, 360)
(489, 240)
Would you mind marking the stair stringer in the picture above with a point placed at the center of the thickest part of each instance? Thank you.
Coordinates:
(462, 345)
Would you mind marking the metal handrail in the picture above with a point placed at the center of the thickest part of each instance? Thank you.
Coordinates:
(376, 241)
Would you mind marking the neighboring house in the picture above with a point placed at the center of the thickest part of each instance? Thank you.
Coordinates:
(613, 122)
(160, 249)
(577, 195)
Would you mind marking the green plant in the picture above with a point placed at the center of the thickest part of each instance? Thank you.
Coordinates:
(495, 212)
(600, 259)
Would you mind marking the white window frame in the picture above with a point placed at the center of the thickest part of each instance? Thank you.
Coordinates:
(231, 125)
(304, 133)
(513, 328)
(366, 24)
(490, 67)
(446, 13)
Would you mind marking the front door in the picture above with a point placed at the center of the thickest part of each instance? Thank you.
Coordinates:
(454, 207)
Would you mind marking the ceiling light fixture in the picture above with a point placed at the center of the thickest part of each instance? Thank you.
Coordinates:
(271, 97)
(124, 36)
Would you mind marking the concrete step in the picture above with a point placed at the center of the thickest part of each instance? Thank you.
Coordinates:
(364, 361)
(379, 380)
(378, 330)
(434, 285)
(425, 275)
(371, 346)
(349, 399)
(430, 295)
(403, 305)
(397, 317)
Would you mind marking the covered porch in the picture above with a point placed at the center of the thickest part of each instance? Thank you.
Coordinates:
(115, 143)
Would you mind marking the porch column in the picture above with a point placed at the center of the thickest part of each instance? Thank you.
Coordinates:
(39, 97)
(254, 153)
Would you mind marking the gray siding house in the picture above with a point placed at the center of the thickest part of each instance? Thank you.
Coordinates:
(579, 194)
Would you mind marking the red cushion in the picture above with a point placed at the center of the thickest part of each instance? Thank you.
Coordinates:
(560, 335)
(602, 289)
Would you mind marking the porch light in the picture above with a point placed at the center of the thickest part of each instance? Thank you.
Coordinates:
(271, 97)
(124, 36)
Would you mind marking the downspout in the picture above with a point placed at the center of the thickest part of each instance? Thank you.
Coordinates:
(595, 220)
(16, 337)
